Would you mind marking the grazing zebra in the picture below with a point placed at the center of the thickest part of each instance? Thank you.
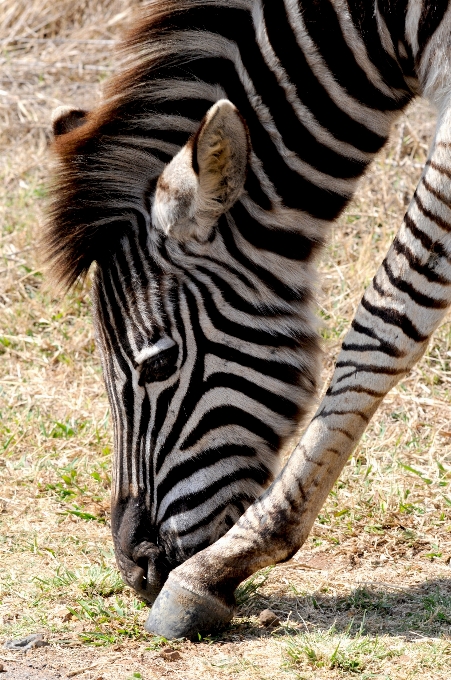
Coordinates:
(204, 186)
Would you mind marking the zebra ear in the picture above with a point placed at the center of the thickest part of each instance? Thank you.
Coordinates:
(65, 119)
(205, 178)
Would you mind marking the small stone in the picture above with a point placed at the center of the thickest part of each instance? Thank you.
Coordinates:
(2, 668)
(169, 654)
(268, 618)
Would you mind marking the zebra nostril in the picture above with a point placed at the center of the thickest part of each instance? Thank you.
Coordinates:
(134, 575)
(151, 561)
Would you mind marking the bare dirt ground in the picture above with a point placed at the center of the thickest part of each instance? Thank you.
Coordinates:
(370, 592)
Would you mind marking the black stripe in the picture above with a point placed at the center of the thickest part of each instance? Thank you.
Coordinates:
(290, 244)
(207, 458)
(436, 166)
(322, 23)
(417, 265)
(221, 416)
(267, 279)
(430, 19)
(419, 298)
(419, 234)
(255, 190)
(191, 502)
(439, 221)
(333, 412)
(362, 14)
(347, 434)
(366, 368)
(148, 476)
(437, 194)
(392, 317)
(383, 346)
(394, 14)
(235, 300)
(309, 89)
(228, 268)
(279, 371)
(273, 401)
(355, 388)
(236, 505)
(164, 400)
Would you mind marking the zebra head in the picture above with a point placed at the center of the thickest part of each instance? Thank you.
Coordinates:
(208, 369)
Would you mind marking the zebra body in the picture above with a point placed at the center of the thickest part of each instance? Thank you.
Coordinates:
(205, 217)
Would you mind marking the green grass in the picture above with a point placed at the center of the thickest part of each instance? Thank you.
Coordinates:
(248, 590)
(346, 652)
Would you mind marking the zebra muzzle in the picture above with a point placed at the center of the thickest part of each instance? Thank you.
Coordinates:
(146, 572)
(150, 560)
(142, 563)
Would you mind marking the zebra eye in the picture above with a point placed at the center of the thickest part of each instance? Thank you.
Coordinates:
(160, 366)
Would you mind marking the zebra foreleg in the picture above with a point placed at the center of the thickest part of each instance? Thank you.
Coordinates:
(398, 313)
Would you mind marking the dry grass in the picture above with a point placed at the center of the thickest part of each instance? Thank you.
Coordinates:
(370, 592)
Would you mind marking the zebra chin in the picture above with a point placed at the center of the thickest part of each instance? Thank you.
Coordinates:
(142, 563)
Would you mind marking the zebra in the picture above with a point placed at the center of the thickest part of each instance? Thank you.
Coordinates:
(203, 187)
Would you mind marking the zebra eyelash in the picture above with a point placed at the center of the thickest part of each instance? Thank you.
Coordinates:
(157, 363)
(149, 352)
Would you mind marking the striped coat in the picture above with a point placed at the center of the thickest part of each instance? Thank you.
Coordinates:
(204, 187)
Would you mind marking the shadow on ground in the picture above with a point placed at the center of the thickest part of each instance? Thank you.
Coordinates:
(413, 612)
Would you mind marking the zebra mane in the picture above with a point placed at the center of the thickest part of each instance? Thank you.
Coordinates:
(106, 168)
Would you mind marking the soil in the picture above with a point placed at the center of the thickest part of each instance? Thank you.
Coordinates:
(254, 650)
(27, 670)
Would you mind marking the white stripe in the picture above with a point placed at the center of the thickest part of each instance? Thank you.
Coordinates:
(304, 114)
(376, 121)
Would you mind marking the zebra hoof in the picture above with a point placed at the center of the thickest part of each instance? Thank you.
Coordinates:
(178, 613)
